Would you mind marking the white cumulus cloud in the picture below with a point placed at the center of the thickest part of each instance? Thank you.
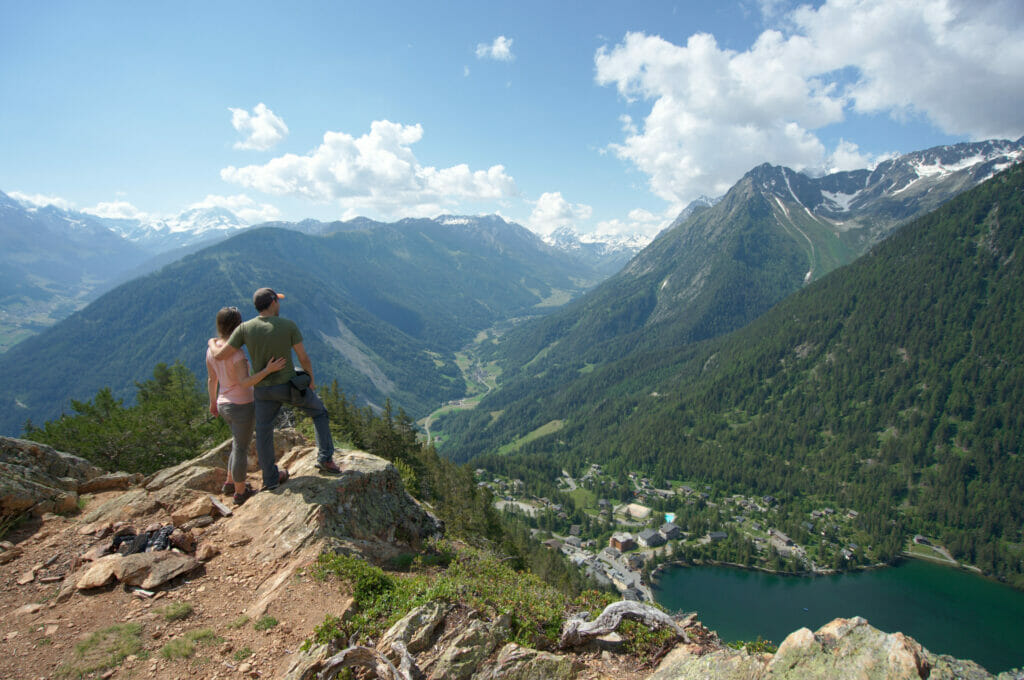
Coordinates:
(715, 112)
(552, 211)
(376, 173)
(42, 200)
(262, 129)
(117, 210)
(499, 50)
(245, 207)
(639, 221)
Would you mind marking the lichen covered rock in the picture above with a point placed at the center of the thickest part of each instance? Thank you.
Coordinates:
(843, 648)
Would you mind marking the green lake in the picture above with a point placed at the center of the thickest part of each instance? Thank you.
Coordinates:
(946, 610)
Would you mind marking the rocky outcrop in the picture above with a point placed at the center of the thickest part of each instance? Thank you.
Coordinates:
(442, 642)
(522, 663)
(844, 648)
(36, 478)
(364, 510)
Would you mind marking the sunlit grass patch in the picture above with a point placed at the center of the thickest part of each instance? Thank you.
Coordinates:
(103, 649)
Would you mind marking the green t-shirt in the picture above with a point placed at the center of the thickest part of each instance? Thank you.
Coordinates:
(268, 337)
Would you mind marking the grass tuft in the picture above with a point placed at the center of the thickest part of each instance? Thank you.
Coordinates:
(175, 611)
(239, 622)
(185, 646)
(103, 649)
(266, 623)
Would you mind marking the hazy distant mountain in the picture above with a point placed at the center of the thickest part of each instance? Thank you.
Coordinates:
(383, 310)
(191, 227)
(605, 253)
(722, 266)
(52, 262)
(145, 246)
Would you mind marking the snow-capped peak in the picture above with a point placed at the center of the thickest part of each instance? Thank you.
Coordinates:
(567, 238)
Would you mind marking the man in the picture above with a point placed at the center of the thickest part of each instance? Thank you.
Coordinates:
(268, 336)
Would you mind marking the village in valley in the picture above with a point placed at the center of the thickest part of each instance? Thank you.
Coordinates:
(621, 531)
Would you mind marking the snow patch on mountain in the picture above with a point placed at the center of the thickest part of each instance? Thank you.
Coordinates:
(840, 202)
(453, 221)
(939, 169)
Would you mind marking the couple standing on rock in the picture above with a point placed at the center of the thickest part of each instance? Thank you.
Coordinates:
(244, 399)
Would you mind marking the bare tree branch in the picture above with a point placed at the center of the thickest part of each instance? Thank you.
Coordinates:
(577, 631)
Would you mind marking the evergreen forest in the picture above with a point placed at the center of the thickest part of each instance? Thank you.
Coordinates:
(891, 387)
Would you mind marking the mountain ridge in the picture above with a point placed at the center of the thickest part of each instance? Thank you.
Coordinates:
(383, 310)
(58, 260)
(718, 267)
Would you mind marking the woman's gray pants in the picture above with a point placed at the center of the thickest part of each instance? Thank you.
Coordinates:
(240, 418)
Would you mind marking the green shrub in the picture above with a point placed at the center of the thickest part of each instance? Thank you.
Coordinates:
(758, 646)
(474, 577)
(266, 623)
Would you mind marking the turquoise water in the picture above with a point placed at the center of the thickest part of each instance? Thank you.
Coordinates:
(946, 610)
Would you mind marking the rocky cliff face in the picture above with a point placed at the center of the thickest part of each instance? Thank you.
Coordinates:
(238, 580)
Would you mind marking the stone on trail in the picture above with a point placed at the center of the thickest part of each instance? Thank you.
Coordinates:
(146, 570)
(199, 507)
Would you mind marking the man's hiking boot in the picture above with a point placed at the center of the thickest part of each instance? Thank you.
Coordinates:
(329, 467)
(246, 495)
(229, 488)
(282, 477)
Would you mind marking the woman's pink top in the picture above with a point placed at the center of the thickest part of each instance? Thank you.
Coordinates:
(228, 390)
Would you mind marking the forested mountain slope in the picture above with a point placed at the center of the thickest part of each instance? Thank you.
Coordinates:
(720, 267)
(892, 386)
(381, 309)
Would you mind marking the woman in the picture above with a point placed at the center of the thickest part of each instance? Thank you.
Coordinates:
(230, 387)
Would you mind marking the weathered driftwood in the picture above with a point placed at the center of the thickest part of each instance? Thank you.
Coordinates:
(578, 631)
(369, 658)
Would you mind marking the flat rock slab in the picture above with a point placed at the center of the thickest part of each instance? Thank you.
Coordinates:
(146, 570)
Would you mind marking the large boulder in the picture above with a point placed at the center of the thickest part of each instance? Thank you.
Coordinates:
(38, 478)
(208, 471)
(461, 650)
(416, 630)
(146, 570)
(843, 648)
(522, 663)
(365, 509)
(853, 648)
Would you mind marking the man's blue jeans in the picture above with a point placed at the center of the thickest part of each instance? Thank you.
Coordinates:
(268, 404)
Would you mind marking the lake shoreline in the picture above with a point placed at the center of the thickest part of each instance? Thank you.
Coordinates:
(947, 610)
(957, 566)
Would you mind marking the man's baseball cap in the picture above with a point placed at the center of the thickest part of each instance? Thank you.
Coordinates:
(265, 297)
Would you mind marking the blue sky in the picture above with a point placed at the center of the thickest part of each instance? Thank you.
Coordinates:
(606, 116)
